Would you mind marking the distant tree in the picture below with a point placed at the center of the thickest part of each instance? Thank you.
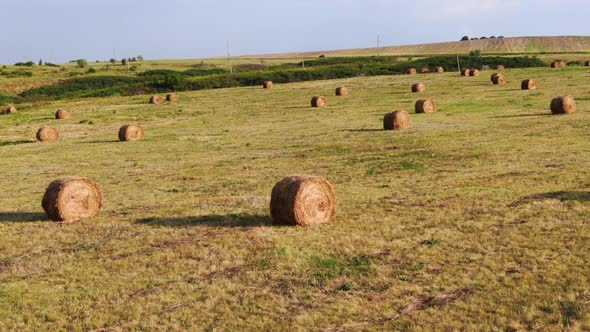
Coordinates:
(82, 63)
(40, 62)
(133, 59)
(124, 62)
(492, 37)
(465, 38)
(113, 60)
(91, 70)
(25, 64)
(140, 57)
(500, 36)
(484, 37)
(475, 53)
(474, 38)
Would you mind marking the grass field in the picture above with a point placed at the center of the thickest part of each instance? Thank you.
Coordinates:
(478, 218)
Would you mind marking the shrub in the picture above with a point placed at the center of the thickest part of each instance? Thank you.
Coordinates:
(91, 70)
(25, 64)
(82, 63)
(475, 53)
(49, 64)
(124, 62)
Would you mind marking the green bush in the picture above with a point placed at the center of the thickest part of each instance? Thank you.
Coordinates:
(82, 63)
(25, 64)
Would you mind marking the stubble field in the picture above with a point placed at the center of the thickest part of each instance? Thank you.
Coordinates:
(478, 218)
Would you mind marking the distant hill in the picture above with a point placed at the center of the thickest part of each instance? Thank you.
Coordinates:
(496, 45)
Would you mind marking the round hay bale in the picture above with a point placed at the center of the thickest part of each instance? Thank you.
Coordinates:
(267, 85)
(412, 71)
(427, 105)
(465, 72)
(172, 97)
(319, 101)
(130, 133)
(563, 105)
(587, 63)
(498, 79)
(156, 100)
(342, 91)
(302, 200)
(10, 110)
(558, 64)
(62, 114)
(528, 85)
(72, 198)
(474, 72)
(439, 70)
(418, 87)
(501, 67)
(424, 70)
(397, 120)
(45, 134)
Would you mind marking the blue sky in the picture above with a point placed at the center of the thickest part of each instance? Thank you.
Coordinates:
(60, 30)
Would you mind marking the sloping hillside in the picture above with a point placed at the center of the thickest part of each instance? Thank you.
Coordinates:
(496, 45)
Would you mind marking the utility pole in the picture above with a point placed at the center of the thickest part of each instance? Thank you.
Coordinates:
(302, 61)
(458, 64)
(231, 69)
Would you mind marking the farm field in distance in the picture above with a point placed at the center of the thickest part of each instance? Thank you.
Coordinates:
(478, 218)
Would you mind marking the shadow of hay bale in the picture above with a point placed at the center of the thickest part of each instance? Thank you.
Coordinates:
(15, 143)
(22, 217)
(232, 220)
(564, 196)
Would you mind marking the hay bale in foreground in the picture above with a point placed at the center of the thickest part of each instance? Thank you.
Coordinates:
(302, 200)
(418, 87)
(397, 120)
(62, 114)
(412, 71)
(424, 70)
(587, 63)
(342, 91)
(45, 134)
(156, 100)
(10, 110)
(267, 85)
(439, 70)
(563, 105)
(72, 198)
(130, 133)
(528, 85)
(501, 67)
(498, 79)
(474, 72)
(319, 101)
(172, 97)
(427, 105)
(465, 72)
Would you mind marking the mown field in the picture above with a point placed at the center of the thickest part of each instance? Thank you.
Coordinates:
(478, 218)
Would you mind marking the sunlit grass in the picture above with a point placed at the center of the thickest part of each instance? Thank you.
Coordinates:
(475, 219)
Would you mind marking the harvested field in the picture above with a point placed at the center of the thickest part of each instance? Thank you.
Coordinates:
(475, 219)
